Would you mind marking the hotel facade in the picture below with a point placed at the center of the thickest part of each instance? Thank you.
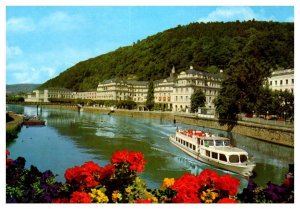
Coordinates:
(172, 93)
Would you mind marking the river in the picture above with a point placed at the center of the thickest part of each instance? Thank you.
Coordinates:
(71, 138)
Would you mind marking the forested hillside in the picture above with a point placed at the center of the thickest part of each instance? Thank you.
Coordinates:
(206, 46)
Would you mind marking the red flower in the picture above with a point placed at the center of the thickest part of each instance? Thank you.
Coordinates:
(72, 174)
(88, 175)
(207, 177)
(80, 197)
(227, 200)
(227, 183)
(142, 201)
(119, 157)
(134, 159)
(60, 200)
(8, 160)
(187, 189)
(108, 171)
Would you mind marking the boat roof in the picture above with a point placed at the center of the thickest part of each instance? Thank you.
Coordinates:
(213, 138)
(230, 150)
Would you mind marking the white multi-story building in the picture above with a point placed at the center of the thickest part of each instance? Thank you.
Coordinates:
(117, 89)
(88, 95)
(51, 93)
(163, 90)
(186, 83)
(173, 93)
(282, 80)
(138, 90)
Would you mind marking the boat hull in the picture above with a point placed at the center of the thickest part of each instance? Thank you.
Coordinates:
(34, 123)
(244, 169)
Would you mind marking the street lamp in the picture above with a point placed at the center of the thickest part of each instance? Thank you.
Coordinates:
(267, 115)
(284, 116)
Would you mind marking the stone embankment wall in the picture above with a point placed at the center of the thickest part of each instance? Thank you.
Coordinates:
(274, 134)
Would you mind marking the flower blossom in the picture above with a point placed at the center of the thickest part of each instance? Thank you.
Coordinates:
(80, 197)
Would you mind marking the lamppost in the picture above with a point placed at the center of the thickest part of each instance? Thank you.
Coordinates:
(284, 116)
(267, 115)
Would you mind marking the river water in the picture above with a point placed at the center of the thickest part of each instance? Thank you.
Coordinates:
(71, 138)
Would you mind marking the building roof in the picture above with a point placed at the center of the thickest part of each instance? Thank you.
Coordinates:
(134, 82)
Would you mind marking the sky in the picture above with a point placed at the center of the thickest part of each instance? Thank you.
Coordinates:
(42, 42)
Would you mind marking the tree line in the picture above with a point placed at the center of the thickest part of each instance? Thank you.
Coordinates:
(207, 46)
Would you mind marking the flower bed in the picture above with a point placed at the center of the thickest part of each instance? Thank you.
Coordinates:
(118, 182)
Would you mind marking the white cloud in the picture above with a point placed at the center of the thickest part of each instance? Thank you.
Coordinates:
(290, 19)
(30, 74)
(41, 66)
(58, 21)
(233, 14)
(61, 21)
(17, 66)
(20, 25)
(12, 51)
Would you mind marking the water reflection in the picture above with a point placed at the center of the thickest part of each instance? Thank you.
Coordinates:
(70, 139)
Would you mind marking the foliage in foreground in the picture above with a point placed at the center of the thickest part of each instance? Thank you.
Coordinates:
(118, 183)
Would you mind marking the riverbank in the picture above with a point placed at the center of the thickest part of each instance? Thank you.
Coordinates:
(270, 133)
(14, 126)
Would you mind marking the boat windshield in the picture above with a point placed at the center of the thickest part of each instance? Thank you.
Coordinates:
(219, 143)
(208, 143)
(222, 143)
(226, 142)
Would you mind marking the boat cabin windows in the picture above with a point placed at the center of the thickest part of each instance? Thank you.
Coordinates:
(219, 142)
(237, 158)
(234, 159)
(185, 143)
(214, 155)
(243, 158)
(209, 143)
(207, 153)
(222, 157)
(226, 143)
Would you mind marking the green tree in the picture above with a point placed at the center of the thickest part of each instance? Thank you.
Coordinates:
(197, 100)
(150, 96)
(284, 104)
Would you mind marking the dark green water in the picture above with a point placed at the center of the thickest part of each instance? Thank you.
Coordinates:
(71, 138)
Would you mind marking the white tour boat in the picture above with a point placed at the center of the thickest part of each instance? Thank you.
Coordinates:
(213, 150)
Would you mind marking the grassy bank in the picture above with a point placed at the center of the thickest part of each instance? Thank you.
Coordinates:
(13, 126)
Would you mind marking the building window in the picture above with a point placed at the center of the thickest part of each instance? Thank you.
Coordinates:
(286, 81)
(292, 81)
(280, 82)
(275, 83)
